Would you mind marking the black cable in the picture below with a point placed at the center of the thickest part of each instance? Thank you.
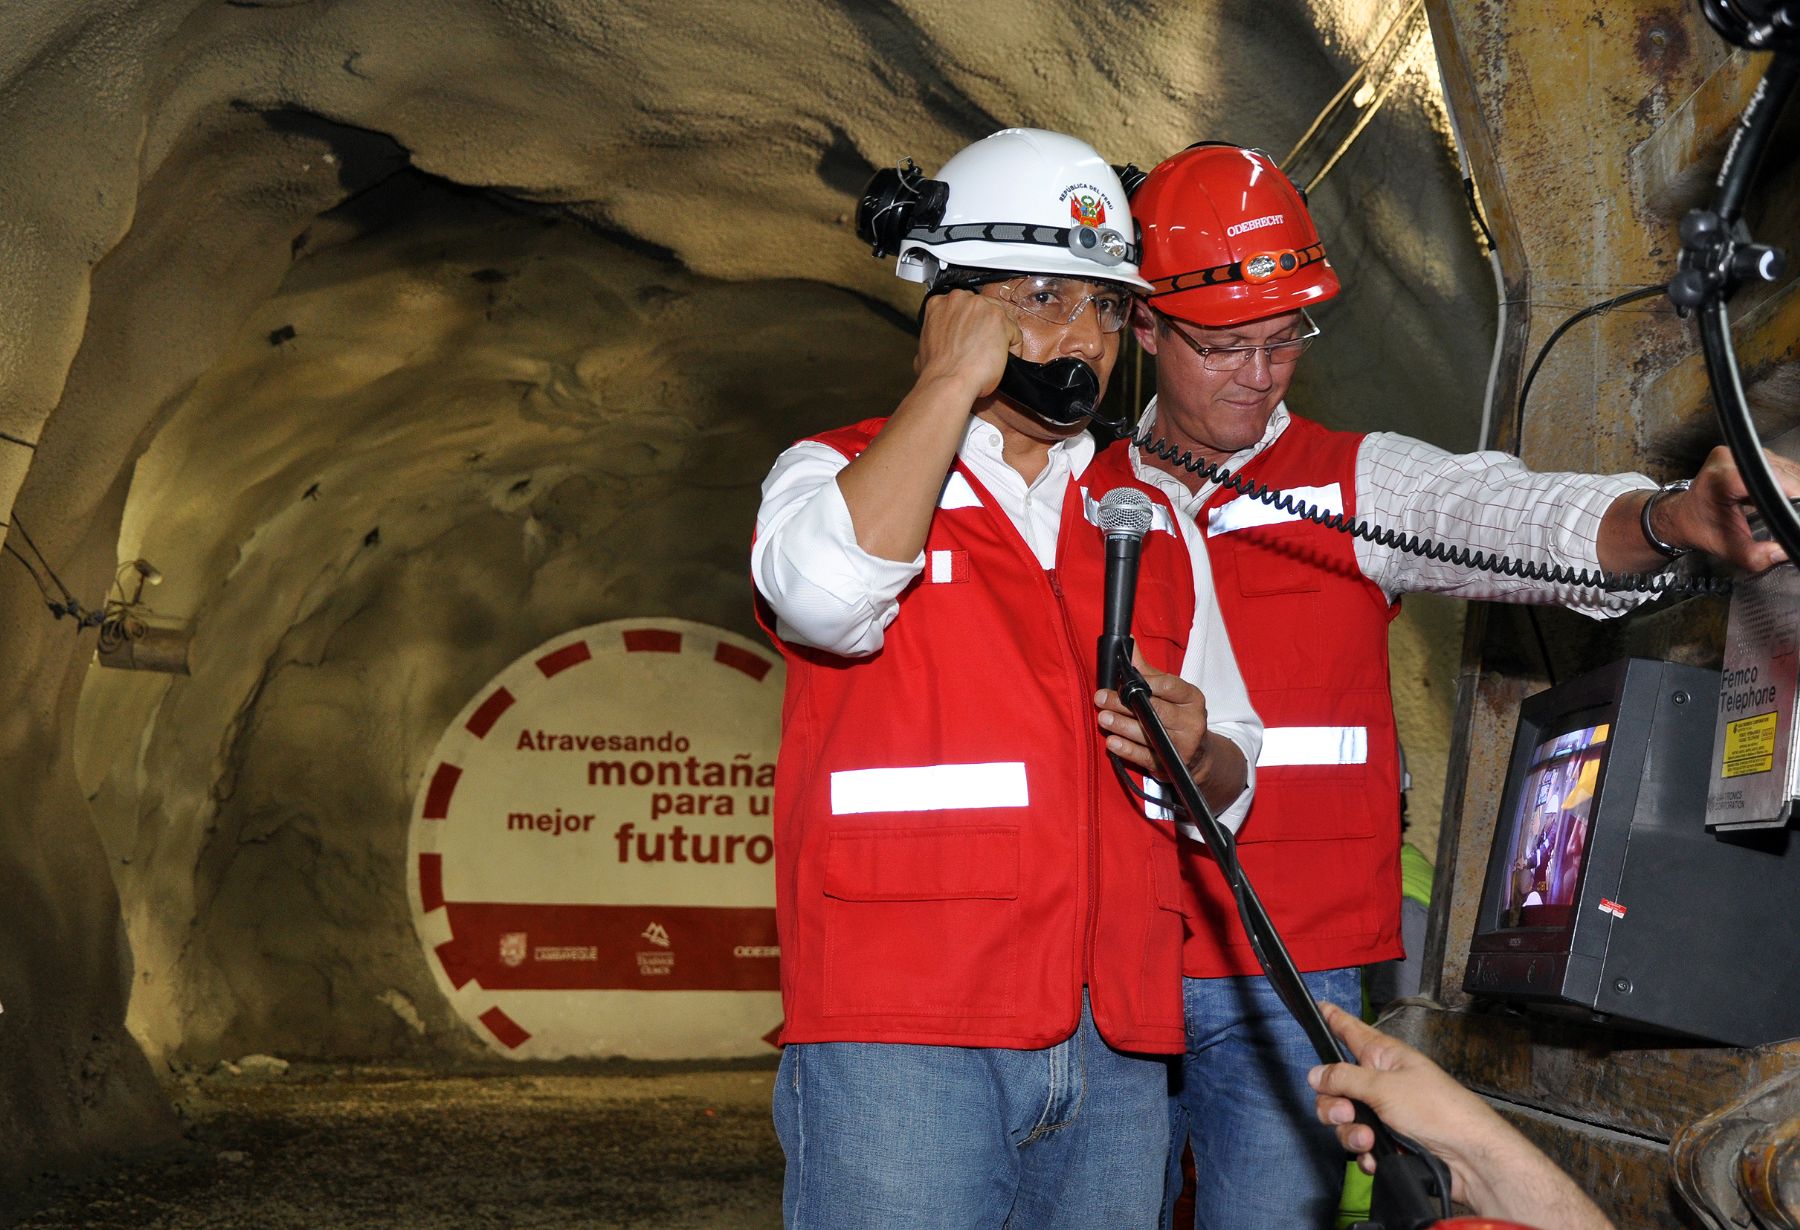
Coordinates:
(26, 534)
(1594, 309)
(14, 552)
(1426, 548)
(1781, 518)
(1713, 242)
(1475, 209)
(83, 617)
(1123, 772)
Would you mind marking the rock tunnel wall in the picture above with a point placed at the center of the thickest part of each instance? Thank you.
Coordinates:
(402, 336)
(509, 428)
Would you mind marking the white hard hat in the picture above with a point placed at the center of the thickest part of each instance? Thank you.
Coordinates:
(1028, 201)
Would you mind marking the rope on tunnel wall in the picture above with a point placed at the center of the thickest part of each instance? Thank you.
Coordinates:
(1389, 50)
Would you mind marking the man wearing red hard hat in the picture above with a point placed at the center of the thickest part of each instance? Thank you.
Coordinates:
(1236, 263)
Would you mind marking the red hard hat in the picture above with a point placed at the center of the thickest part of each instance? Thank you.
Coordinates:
(1227, 238)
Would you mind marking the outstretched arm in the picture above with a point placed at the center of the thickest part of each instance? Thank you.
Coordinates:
(1493, 1168)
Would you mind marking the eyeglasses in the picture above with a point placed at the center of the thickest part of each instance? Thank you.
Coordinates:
(1230, 358)
(1061, 301)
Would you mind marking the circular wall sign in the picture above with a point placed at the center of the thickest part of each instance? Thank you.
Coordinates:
(591, 864)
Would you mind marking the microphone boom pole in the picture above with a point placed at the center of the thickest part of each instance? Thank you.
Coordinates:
(1412, 1187)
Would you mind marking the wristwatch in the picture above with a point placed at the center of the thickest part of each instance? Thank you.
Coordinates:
(1673, 552)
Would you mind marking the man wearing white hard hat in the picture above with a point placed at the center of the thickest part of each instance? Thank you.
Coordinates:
(980, 929)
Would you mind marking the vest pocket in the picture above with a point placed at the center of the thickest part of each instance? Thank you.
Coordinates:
(1163, 935)
(1158, 601)
(1162, 652)
(922, 922)
(1324, 808)
(1284, 559)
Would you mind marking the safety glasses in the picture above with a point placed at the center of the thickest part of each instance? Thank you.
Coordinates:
(1281, 352)
(1058, 300)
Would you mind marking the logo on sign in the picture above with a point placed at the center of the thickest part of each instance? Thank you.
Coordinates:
(655, 964)
(656, 935)
(512, 948)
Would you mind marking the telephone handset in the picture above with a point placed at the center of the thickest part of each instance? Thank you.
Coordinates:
(1061, 392)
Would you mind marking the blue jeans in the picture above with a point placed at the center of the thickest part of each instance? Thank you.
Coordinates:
(882, 1134)
(1261, 1157)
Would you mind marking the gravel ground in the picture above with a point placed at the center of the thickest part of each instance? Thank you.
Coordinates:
(684, 1146)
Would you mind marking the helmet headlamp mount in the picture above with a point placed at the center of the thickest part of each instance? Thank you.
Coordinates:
(1254, 269)
(896, 200)
(1102, 245)
(1266, 265)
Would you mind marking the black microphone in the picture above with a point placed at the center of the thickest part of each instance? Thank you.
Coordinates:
(1125, 517)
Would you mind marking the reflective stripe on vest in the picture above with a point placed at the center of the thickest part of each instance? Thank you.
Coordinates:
(929, 787)
(1295, 745)
(1155, 811)
(1247, 512)
(957, 493)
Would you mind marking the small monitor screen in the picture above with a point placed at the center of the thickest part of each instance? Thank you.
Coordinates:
(1550, 828)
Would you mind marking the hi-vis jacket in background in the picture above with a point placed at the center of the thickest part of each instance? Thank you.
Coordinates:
(954, 857)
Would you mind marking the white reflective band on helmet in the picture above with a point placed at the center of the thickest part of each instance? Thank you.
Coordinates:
(929, 787)
(1296, 745)
(1101, 245)
(1159, 516)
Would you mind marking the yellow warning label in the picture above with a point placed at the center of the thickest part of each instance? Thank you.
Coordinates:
(1749, 746)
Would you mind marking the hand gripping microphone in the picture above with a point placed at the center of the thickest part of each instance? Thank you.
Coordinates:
(1125, 517)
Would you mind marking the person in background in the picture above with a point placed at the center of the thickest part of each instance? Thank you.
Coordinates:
(1386, 981)
(1493, 1169)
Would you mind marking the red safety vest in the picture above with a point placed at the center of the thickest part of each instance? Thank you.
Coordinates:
(954, 859)
(1322, 841)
